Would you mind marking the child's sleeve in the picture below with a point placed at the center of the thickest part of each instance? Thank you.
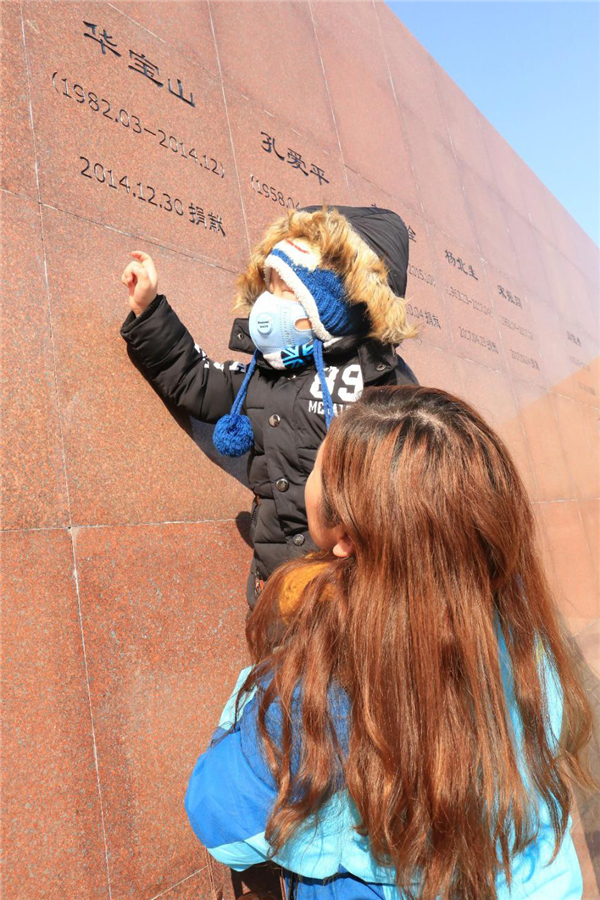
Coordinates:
(404, 373)
(177, 367)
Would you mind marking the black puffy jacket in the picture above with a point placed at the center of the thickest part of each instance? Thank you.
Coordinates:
(285, 409)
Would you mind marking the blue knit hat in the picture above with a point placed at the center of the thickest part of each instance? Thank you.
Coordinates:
(322, 294)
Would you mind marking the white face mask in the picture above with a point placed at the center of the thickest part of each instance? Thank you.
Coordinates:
(272, 323)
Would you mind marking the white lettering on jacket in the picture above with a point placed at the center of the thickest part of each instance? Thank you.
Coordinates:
(348, 387)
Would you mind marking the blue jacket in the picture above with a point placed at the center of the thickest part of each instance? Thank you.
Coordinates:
(231, 793)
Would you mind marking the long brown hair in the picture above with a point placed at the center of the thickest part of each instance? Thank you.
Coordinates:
(445, 550)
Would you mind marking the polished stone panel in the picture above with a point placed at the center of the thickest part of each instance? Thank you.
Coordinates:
(537, 202)
(368, 121)
(34, 492)
(126, 534)
(528, 262)
(441, 196)
(469, 306)
(487, 214)
(578, 429)
(464, 127)
(278, 168)
(412, 71)
(52, 828)
(284, 76)
(491, 393)
(520, 339)
(17, 172)
(183, 24)
(131, 458)
(552, 477)
(436, 368)
(163, 611)
(568, 544)
(504, 162)
(166, 170)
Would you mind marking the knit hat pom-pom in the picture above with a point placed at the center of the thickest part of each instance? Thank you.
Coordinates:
(233, 435)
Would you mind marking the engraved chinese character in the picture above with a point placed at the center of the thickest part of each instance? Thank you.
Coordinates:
(197, 216)
(436, 322)
(296, 162)
(105, 40)
(472, 273)
(501, 291)
(412, 236)
(215, 223)
(269, 144)
(179, 92)
(144, 66)
(428, 318)
(316, 170)
(461, 265)
(509, 297)
(450, 258)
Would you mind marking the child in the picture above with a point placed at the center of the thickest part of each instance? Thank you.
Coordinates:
(323, 293)
(400, 732)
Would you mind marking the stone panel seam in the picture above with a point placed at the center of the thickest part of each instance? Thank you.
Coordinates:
(191, 56)
(35, 529)
(207, 260)
(458, 159)
(235, 162)
(84, 527)
(545, 393)
(81, 527)
(495, 187)
(335, 125)
(139, 24)
(397, 105)
(439, 292)
(64, 460)
(173, 886)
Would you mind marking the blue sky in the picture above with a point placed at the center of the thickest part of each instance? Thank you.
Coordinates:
(533, 69)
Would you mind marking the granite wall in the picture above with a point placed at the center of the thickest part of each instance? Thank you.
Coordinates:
(124, 535)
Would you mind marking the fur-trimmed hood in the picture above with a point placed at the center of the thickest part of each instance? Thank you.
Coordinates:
(344, 248)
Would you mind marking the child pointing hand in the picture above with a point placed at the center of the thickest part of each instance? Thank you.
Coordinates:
(323, 316)
(141, 279)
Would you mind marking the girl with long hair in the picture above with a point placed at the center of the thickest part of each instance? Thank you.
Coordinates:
(414, 718)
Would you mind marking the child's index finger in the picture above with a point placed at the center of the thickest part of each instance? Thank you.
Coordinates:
(140, 254)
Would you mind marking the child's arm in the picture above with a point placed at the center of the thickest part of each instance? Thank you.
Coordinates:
(165, 349)
(404, 373)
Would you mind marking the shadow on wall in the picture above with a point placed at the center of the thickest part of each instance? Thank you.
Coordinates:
(201, 434)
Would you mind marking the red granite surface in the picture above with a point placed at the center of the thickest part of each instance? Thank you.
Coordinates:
(52, 822)
(124, 557)
(163, 614)
(34, 491)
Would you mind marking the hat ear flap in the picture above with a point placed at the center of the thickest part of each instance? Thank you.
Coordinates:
(250, 284)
